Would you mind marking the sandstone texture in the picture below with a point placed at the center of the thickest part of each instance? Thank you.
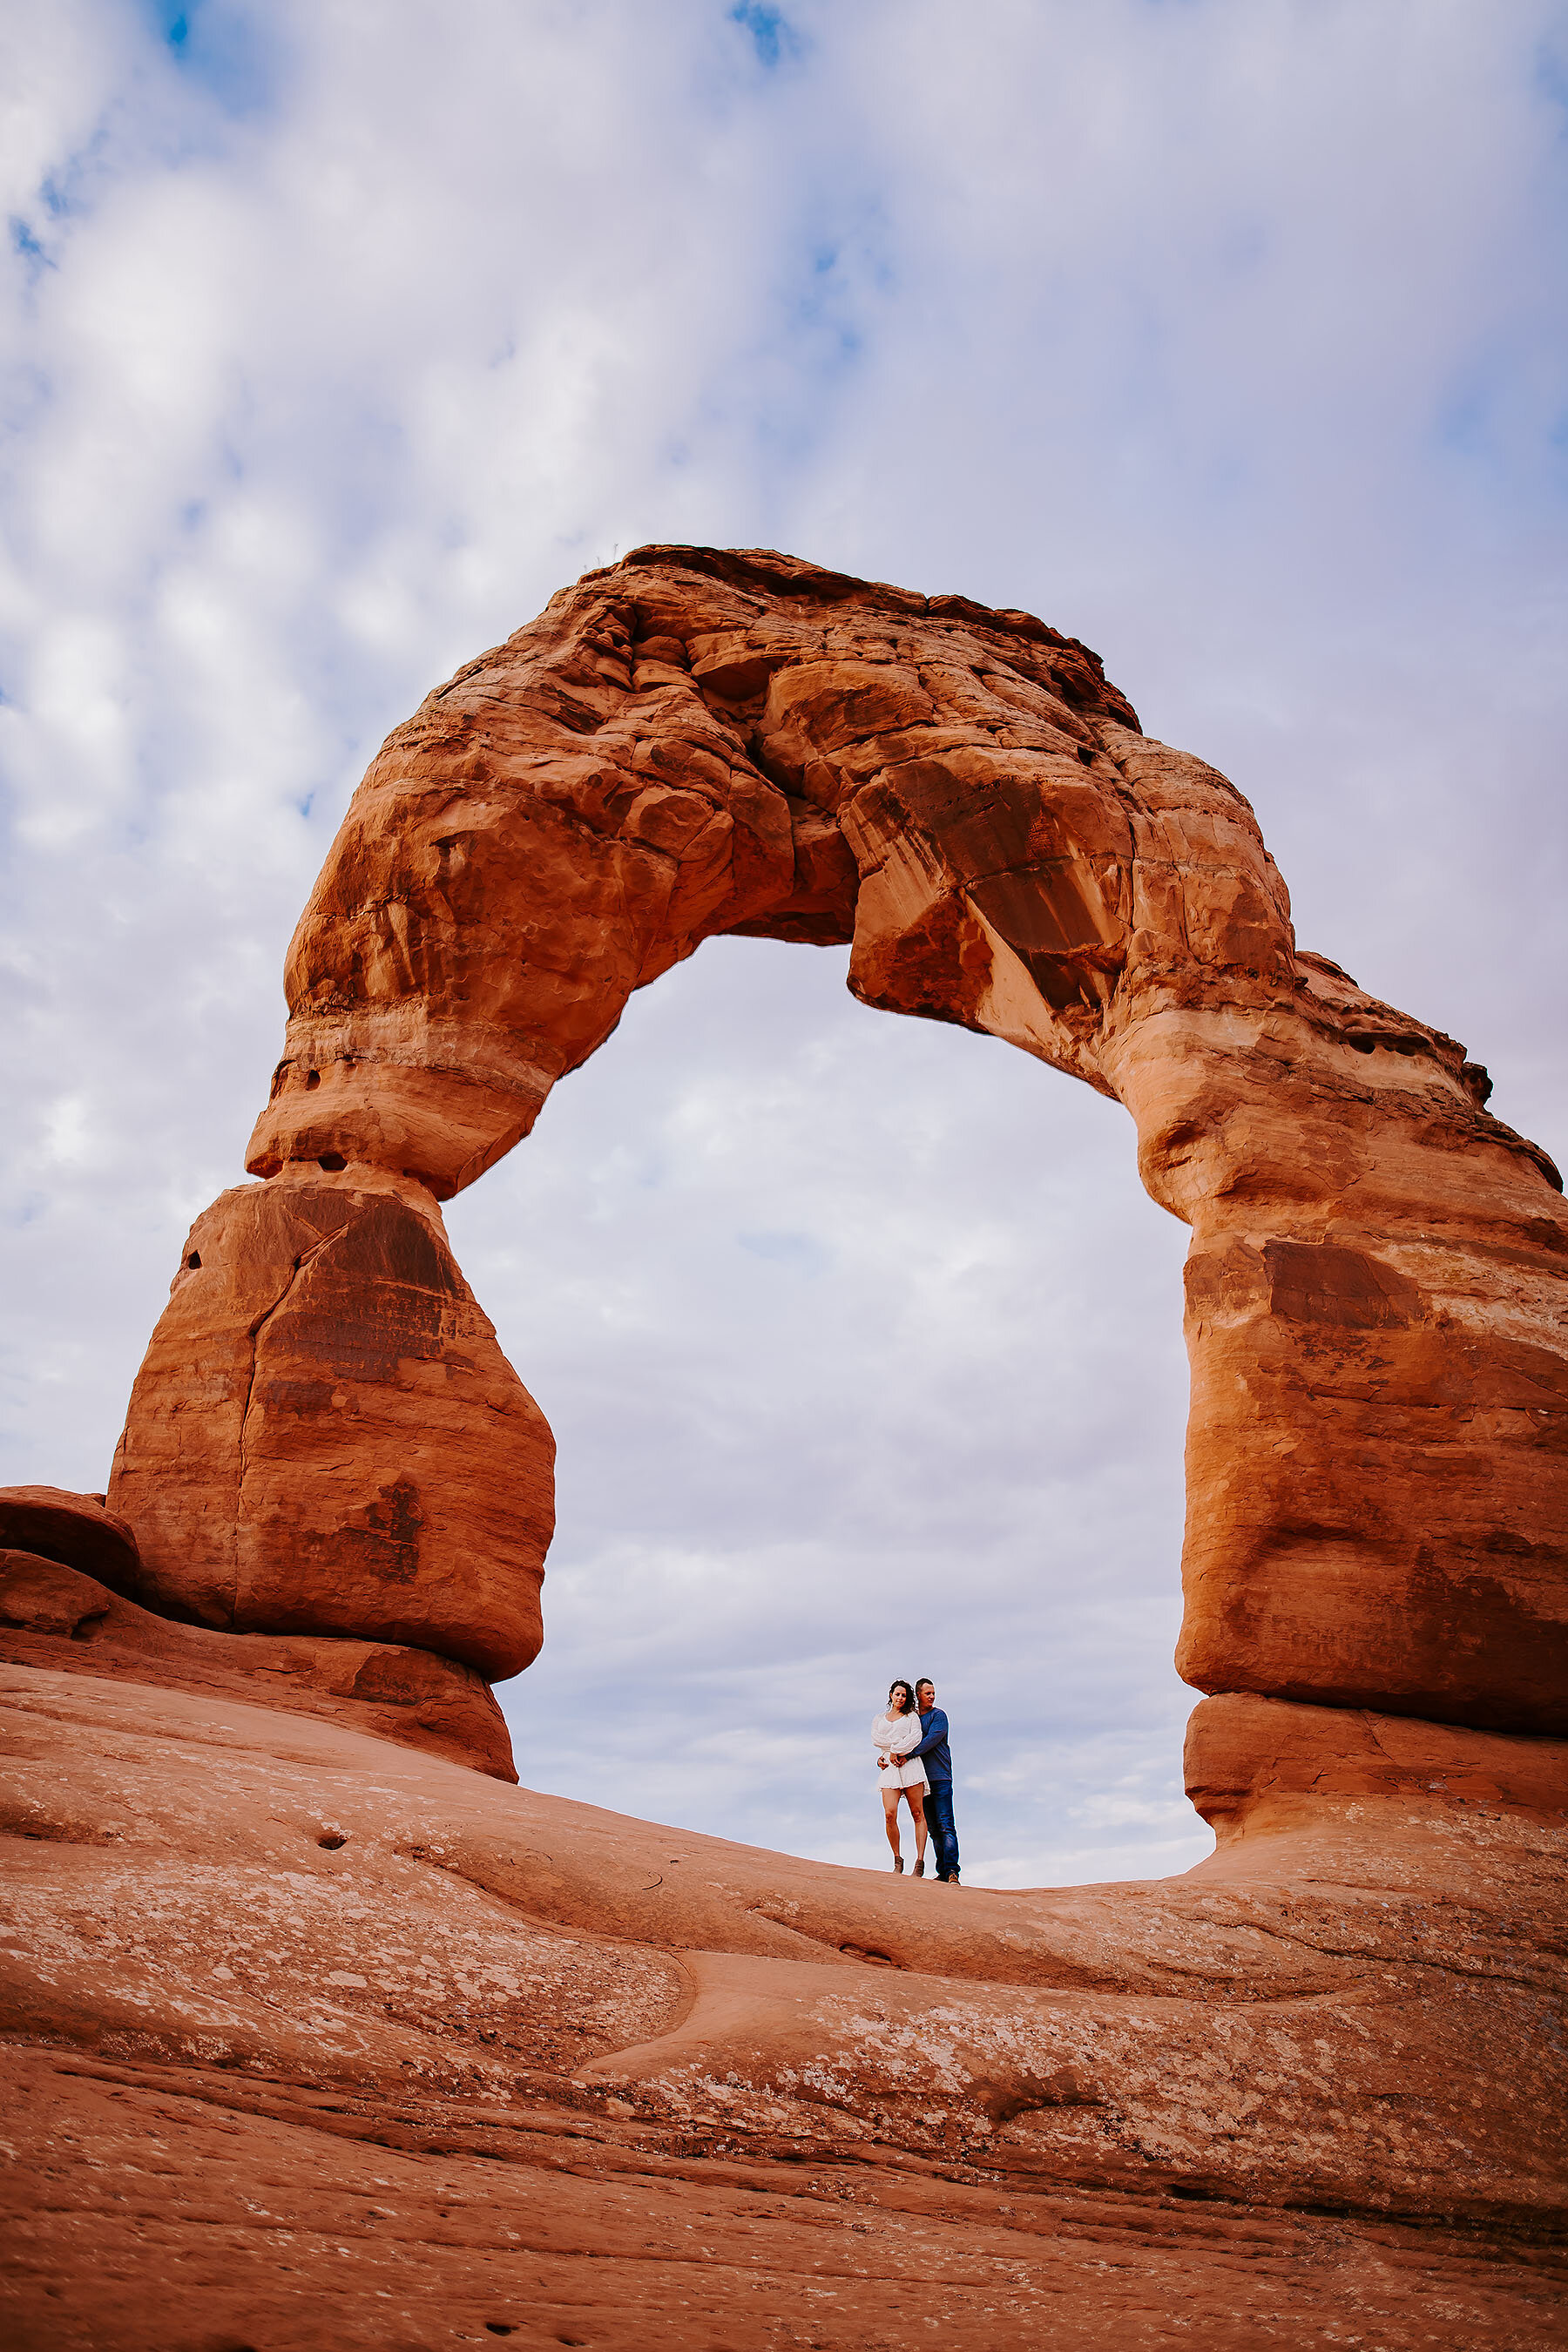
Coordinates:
(310, 2040)
(56, 1618)
(325, 1437)
(75, 1529)
(694, 742)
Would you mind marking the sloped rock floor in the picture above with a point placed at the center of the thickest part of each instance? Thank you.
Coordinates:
(313, 2040)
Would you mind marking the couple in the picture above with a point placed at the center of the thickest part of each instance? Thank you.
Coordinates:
(913, 1762)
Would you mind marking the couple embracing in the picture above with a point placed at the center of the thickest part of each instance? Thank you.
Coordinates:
(913, 1764)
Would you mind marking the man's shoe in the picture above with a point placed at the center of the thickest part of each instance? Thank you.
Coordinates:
(950, 1878)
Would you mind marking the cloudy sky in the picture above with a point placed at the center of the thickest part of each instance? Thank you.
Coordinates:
(1226, 334)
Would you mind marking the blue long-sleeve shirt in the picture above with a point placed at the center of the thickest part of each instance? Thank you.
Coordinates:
(933, 1750)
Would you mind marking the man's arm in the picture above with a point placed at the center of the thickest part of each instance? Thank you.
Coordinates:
(934, 1736)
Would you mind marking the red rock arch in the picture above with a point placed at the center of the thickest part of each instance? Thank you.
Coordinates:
(325, 1437)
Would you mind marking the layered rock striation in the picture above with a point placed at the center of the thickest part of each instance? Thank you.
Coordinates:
(57, 1617)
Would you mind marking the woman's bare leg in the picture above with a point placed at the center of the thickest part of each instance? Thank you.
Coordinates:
(917, 1798)
(890, 1820)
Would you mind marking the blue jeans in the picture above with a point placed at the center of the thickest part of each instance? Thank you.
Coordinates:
(939, 1820)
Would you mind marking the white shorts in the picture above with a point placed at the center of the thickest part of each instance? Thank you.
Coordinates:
(902, 1775)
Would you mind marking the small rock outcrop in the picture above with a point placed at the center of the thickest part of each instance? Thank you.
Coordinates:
(75, 1529)
(59, 1619)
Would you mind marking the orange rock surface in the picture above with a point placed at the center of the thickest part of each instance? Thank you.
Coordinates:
(55, 1617)
(309, 2039)
(75, 1529)
(695, 742)
(325, 1437)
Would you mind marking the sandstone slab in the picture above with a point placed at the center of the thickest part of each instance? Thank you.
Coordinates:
(309, 2038)
(78, 1530)
(55, 1618)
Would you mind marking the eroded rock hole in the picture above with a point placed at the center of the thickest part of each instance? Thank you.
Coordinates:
(331, 1161)
(312, 1078)
(331, 1840)
(194, 1260)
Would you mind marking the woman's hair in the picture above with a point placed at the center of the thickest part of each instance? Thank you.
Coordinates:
(907, 1688)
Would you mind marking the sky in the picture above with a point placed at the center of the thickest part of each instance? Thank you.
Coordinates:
(1227, 335)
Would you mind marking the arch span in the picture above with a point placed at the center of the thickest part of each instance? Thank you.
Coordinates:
(324, 1435)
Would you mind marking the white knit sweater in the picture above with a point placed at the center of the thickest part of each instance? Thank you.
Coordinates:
(895, 1735)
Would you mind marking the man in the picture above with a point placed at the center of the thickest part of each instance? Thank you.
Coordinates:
(934, 1754)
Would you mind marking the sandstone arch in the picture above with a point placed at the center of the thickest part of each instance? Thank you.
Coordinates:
(325, 1437)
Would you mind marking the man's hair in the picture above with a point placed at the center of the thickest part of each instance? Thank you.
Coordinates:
(924, 1682)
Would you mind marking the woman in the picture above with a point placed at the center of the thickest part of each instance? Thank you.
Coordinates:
(893, 1735)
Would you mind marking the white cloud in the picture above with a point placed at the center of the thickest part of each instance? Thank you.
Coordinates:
(336, 339)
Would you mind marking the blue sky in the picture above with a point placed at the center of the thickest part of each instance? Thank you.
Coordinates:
(1228, 336)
